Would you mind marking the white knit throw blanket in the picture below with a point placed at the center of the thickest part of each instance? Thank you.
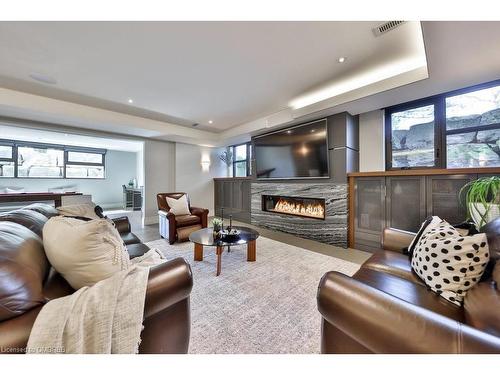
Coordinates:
(105, 318)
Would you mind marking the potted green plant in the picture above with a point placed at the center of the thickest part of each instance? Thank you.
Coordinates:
(482, 198)
(217, 226)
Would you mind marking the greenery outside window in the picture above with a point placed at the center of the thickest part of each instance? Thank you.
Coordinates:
(459, 129)
(241, 160)
(36, 160)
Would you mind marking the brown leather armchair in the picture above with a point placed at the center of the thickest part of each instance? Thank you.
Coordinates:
(386, 308)
(177, 228)
(27, 282)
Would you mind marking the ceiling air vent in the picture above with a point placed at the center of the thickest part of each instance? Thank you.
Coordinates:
(386, 27)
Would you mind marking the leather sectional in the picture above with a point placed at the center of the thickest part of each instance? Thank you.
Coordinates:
(27, 282)
(386, 308)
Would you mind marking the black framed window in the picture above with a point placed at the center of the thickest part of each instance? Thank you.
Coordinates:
(473, 128)
(458, 129)
(20, 159)
(7, 160)
(241, 160)
(82, 164)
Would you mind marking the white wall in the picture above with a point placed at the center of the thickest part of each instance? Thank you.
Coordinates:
(194, 179)
(159, 175)
(371, 141)
(121, 167)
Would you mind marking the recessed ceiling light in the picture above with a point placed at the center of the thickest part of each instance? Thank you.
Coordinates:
(313, 130)
(210, 122)
(289, 132)
(43, 78)
(130, 101)
(341, 59)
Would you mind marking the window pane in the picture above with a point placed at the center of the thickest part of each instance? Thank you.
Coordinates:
(240, 152)
(474, 149)
(413, 137)
(40, 162)
(240, 169)
(6, 152)
(6, 169)
(477, 108)
(84, 171)
(84, 157)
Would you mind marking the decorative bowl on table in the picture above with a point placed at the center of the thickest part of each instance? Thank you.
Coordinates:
(230, 234)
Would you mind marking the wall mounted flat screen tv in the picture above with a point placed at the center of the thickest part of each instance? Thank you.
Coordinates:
(293, 153)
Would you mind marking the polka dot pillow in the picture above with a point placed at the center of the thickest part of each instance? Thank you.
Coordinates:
(450, 264)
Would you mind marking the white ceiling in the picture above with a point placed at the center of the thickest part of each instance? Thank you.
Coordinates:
(68, 139)
(193, 72)
(458, 54)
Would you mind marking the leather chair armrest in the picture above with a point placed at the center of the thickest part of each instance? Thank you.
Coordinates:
(168, 284)
(167, 214)
(396, 240)
(122, 224)
(202, 213)
(385, 324)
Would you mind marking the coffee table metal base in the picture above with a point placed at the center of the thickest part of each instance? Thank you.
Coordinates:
(251, 254)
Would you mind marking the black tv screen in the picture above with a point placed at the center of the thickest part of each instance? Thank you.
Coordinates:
(297, 152)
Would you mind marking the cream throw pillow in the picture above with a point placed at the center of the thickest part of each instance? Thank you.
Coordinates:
(178, 206)
(84, 252)
(84, 209)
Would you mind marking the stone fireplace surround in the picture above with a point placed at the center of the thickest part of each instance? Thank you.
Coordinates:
(332, 230)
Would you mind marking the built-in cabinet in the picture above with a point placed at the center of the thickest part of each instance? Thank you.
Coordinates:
(403, 202)
(233, 196)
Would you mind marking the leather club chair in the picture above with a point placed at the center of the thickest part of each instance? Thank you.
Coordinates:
(177, 228)
(27, 282)
(386, 308)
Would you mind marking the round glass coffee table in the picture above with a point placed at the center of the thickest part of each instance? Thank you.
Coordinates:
(205, 237)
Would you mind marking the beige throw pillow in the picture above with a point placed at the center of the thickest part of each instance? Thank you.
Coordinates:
(84, 210)
(84, 252)
(178, 206)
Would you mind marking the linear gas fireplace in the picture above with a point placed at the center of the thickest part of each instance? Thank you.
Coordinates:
(297, 206)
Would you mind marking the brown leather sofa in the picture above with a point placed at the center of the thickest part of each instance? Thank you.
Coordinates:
(386, 308)
(27, 282)
(178, 228)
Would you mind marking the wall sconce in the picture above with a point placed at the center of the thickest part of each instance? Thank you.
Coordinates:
(205, 165)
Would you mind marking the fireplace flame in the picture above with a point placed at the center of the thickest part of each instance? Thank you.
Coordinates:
(310, 210)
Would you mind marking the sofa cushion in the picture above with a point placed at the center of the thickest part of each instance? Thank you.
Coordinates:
(409, 291)
(178, 206)
(482, 307)
(450, 264)
(32, 220)
(23, 268)
(45, 209)
(137, 249)
(84, 252)
(129, 238)
(187, 220)
(393, 263)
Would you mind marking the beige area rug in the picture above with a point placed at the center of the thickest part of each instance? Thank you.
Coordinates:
(267, 306)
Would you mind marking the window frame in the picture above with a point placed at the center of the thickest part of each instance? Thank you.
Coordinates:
(440, 131)
(66, 149)
(13, 157)
(246, 160)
